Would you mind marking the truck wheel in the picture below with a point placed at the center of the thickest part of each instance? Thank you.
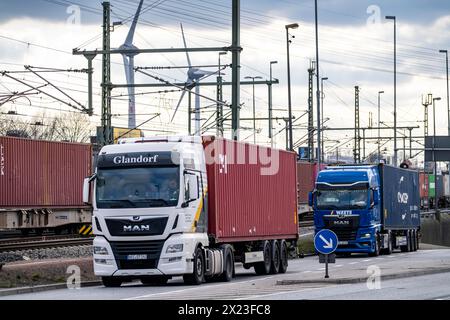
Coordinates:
(111, 282)
(417, 240)
(414, 237)
(405, 248)
(283, 257)
(410, 241)
(228, 264)
(376, 252)
(275, 267)
(198, 276)
(262, 268)
(388, 250)
(154, 280)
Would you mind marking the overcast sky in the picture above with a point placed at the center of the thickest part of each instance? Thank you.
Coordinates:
(356, 48)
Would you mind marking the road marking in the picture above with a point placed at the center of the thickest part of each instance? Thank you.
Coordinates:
(307, 271)
(367, 260)
(354, 262)
(284, 292)
(306, 234)
(196, 288)
(338, 265)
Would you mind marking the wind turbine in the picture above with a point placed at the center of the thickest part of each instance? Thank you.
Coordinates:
(194, 75)
(128, 62)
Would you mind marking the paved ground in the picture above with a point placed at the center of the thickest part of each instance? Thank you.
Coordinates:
(249, 286)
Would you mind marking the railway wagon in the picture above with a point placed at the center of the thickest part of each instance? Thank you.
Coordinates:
(306, 179)
(41, 185)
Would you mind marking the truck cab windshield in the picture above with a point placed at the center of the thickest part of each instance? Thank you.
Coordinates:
(342, 199)
(141, 187)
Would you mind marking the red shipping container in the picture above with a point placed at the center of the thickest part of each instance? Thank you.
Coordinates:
(42, 174)
(248, 198)
(305, 179)
(424, 184)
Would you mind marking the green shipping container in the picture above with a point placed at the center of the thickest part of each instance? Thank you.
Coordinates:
(432, 189)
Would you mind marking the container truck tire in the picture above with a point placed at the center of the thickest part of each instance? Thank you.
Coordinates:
(414, 238)
(262, 268)
(228, 263)
(376, 252)
(417, 240)
(112, 282)
(276, 260)
(405, 248)
(283, 257)
(388, 250)
(198, 276)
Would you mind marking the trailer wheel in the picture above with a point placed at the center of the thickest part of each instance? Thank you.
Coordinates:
(414, 240)
(228, 263)
(275, 266)
(111, 282)
(262, 268)
(406, 247)
(283, 257)
(417, 240)
(198, 276)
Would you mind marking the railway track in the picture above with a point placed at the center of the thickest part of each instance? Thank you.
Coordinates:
(27, 243)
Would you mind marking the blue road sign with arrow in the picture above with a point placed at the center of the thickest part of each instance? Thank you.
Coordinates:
(326, 241)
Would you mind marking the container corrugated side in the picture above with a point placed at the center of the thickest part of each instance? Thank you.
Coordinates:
(401, 198)
(305, 180)
(42, 174)
(245, 204)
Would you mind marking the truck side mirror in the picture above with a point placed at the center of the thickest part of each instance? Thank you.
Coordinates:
(376, 200)
(194, 187)
(310, 198)
(86, 189)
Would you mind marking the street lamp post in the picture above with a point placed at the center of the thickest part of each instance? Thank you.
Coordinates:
(270, 104)
(448, 103)
(254, 111)
(379, 134)
(322, 96)
(434, 135)
(288, 41)
(395, 87)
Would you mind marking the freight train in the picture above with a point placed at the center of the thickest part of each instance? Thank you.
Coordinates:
(41, 186)
(434, 190)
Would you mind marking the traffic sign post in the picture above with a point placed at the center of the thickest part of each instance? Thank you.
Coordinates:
(326, 242)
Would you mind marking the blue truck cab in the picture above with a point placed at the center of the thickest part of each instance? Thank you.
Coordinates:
(372, 208)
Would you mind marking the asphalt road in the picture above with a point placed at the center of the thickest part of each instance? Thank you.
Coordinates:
(247, 285)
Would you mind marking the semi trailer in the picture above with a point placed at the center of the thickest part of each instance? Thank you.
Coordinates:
(193, 207)
(371, 208)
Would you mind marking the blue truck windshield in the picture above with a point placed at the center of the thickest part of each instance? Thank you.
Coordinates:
(338, 199)
(138, 187)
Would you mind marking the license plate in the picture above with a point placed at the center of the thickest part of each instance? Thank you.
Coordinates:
(343, 242)
(137, 257)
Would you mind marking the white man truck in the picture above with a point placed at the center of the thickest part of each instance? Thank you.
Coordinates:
(192, 207)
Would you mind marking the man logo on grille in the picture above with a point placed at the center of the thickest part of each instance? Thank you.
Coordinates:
(136, 228)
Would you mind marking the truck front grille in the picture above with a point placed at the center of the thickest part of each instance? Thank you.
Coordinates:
(345, 234)
(123, 249)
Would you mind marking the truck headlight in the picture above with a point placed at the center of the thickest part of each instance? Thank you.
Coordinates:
(100, 250)
(366, 235)
(173, 248)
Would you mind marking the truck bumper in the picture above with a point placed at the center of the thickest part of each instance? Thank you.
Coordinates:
(172, 264)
